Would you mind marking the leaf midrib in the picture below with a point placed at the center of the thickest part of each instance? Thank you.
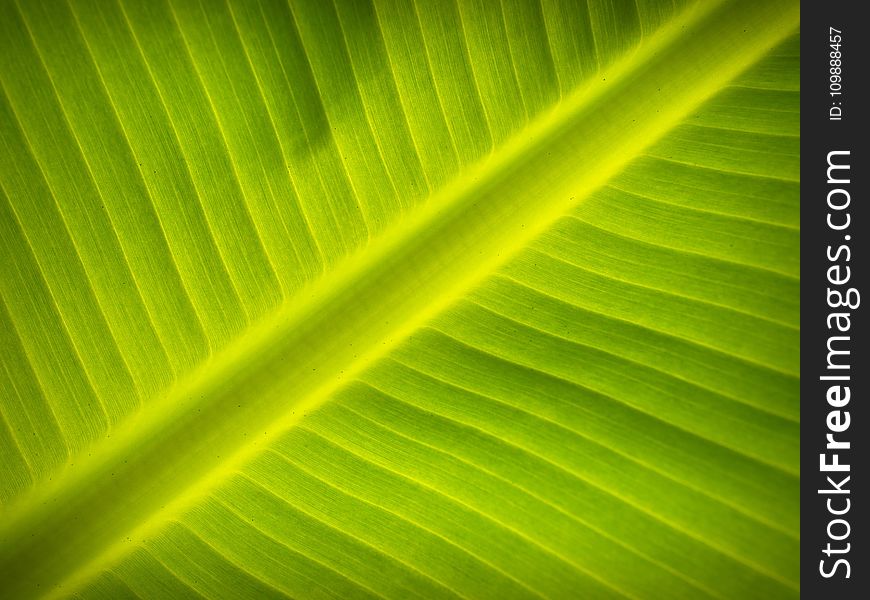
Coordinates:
(163, 459)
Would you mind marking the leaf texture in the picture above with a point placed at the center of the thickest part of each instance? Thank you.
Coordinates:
(399, 299)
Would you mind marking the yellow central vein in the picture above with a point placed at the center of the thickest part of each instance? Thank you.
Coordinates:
(180, 446)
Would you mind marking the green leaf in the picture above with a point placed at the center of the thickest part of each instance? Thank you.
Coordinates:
(399, 299)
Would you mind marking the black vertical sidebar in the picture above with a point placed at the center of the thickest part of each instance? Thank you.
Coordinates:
(835, 370)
